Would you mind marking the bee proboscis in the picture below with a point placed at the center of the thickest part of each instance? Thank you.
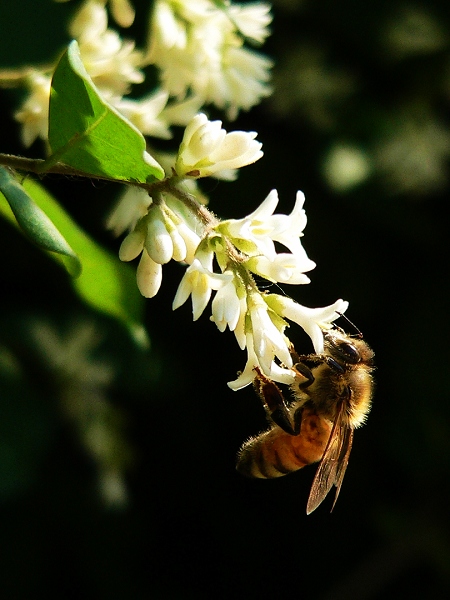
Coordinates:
(332, 395)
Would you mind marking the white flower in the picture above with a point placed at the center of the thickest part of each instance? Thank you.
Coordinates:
(265, 341)
(191, 241)
(276, 373)
(248, 374)
(132, 206)
(226, 305)
(207, 149)
(242, 84)
(111, 62)
(199, 281)
(152, 116)
(252, 19)
(269, 341)
(198, 47)
(284, 268)
(312, 320)
(164, 235)
(33, 113)
(262, 228)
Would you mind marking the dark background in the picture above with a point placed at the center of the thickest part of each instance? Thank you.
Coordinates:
(373, 75)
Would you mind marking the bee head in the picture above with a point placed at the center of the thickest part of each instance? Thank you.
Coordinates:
(345, 349)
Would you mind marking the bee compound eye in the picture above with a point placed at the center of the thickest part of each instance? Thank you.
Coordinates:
(345, 351)
(350, 352)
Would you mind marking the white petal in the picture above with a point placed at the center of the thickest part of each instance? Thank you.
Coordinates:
(312, 320)
(248, 374)
(245, 378)
(191, 239)
(266, 208)
(148, 276)
(179, 245)
(239, 330)
(132, 245)
(226, 306)
(281, 375)
(158, 242)
(201, 293)
(183, 292)
(268, 340)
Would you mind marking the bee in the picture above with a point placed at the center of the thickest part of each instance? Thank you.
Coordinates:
(332, 395)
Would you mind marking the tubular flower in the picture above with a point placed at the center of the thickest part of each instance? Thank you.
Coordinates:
(262, 228)
(123, 12)
(246, 377)
(284, 268)
(226, 305)
(263, 347)
(257, 319)
(148, 275)
(269, 341)
(198, 282)
(312, 320)
(207, 149)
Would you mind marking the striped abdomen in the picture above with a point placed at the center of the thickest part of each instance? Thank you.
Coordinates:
(275, 453)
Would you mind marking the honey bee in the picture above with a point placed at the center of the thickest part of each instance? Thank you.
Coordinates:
(332, 396)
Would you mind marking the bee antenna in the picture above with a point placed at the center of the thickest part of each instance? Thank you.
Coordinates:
(359, 332)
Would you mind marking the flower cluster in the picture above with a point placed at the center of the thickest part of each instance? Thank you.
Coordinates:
(223, 257)
(113, 64)
(199, 47)
(159, 228)
(242, 248)
(159, 236)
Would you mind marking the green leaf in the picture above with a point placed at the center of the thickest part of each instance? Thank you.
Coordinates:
(105, 283)
(36, 225)
(88, 134)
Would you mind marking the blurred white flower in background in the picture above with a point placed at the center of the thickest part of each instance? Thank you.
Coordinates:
(199, 47)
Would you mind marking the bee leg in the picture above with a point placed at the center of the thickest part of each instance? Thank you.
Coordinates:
(274, 402)
(297, 418)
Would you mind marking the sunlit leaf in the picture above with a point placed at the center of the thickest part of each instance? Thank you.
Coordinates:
(88, 134)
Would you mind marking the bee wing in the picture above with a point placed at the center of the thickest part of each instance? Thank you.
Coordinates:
(332, 467)
(346, 447)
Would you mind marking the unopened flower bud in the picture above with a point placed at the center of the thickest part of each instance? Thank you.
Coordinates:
(148, 276)
(158, 242)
